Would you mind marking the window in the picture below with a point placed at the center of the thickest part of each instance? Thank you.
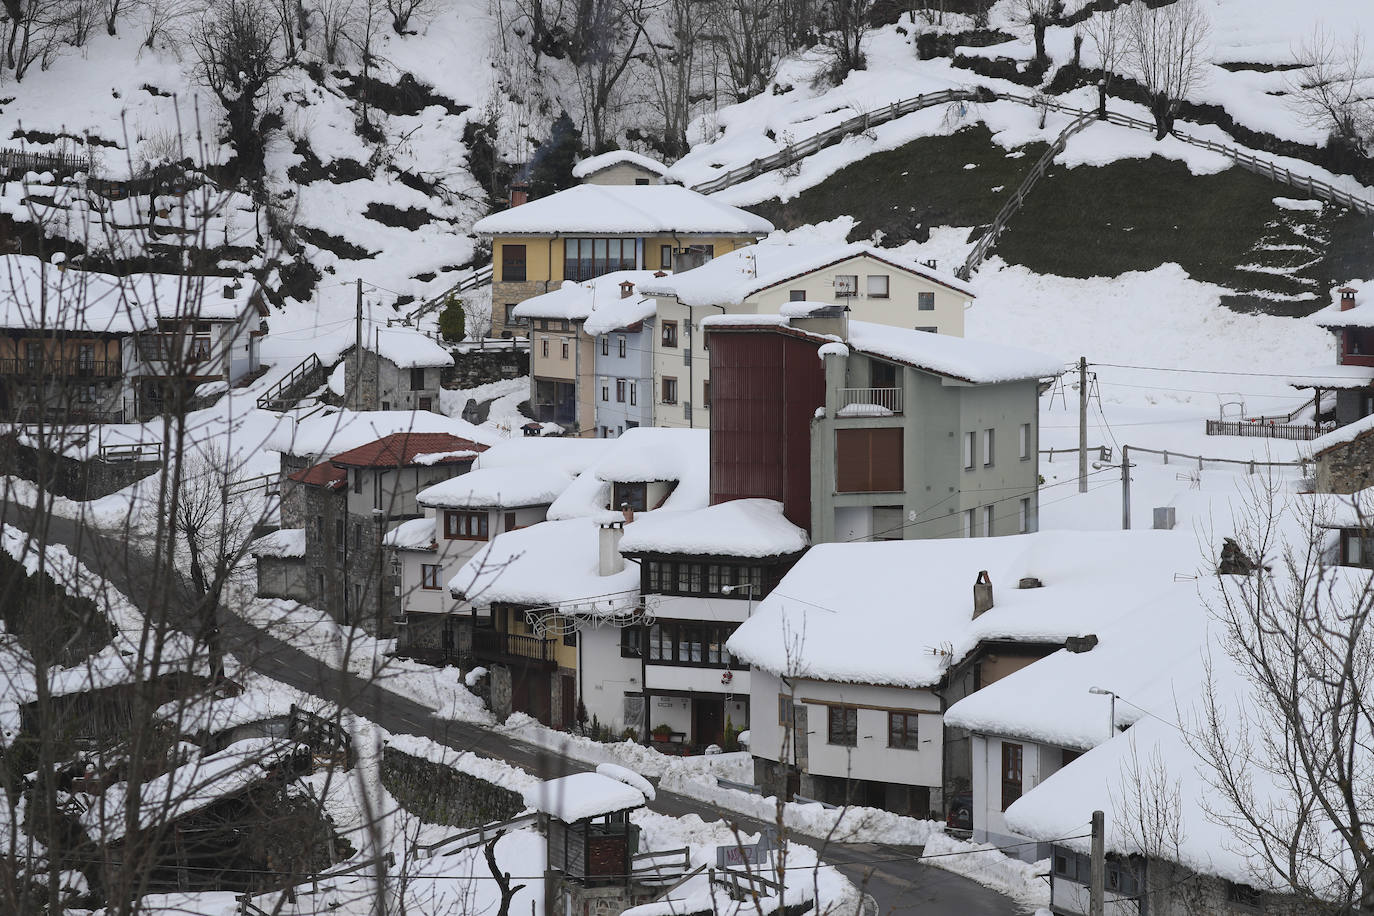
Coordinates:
(634, 495)
(544, 347)
(1120, 879)
(85, 394)
(149, 348)
(1244, 894)
(1023, 516)
(358, 481)
(605, 345)
(85, 357)
(796, 295)
(509, 523)
(988, 441)
(694, 643)
(417, 379)
(1066, 865)
(706, 394)
(704, 579)
(632, 642)
(620, 391)
(669, 334)
(1354, 544)
(868, 460)
(1067, 756)
(357, 534)
(784, 710)
(641, 181)
(669, 391)
(1023, 442)
(843, 726)
(1011, 773)
(510, 314)
(882, 375)
(929, 329)
(565, 348)
(426, 403)
(987, 521)
(512, 263)
(846, 285)
(665, 257)
(970, 523)
(902, 731)
(877, 286)
(429, 576)
(925, 302)
(605, 392)
(467, 526)
(319, 527)
(570, 639)
(970, 450)
(632, 394)
(200, 349)
(584, 259)
(340, 541)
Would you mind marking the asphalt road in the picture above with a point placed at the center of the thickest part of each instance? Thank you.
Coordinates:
(892, 874)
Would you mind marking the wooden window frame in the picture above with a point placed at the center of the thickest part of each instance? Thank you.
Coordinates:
(1013, 773)
(887, 286)
(870, 459)
(429, 577)
(666, 396)
(906, 724)
(621, 345)
(668, 335)
(848, 730)
(459, 525)
(417, 374)
(510, 263)
(620, 391)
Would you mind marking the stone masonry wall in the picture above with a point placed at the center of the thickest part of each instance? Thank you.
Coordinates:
(1346, 468)
(442, 795)
(506, 293)
(78, 480)
(481, 366)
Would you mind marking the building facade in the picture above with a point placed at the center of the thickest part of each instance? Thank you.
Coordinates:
(397, 369)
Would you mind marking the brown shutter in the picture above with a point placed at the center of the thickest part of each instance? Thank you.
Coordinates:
(868, 460)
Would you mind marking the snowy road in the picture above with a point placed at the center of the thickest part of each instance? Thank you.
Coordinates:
(894, 877)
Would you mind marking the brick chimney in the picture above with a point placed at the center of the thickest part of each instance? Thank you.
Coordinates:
(627, 289)
(982, 595)
(609, 560)
(1347, 298)
(519, 194)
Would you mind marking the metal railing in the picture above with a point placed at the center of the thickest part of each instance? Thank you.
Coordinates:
(477, 836)
(269, 483)
(65, 368)
(480, 276)
(1259, 429)
(509, 645)
(278, 398)
(887, 398)
(131, 451)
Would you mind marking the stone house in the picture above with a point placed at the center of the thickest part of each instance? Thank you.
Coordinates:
(309, 566)
(1344, 458)
(397, 369)
(590, 230)
(619, 167)
(280, 557)
(875, 286)
(384, 478)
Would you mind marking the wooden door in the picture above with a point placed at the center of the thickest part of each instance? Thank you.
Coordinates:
(708, 721)
(569, 700)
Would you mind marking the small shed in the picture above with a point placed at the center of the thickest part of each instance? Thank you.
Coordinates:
(591, 839)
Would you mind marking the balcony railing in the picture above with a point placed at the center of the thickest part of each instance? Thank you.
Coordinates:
(853, 401)
(61, 368)
(493, 644)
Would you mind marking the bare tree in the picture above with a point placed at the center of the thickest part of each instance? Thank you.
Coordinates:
(610, 32)
(845, 23)
(674, 73)
(1165, 47)
(337, 19)
(239, 48)
(160, 16)
(1039, 15)
(1287, 753)
(36, 29)
(1333, 90)
(1105, 31)
(401, 11)
(747, 35)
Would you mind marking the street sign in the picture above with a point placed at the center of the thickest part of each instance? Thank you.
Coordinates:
(747, 854)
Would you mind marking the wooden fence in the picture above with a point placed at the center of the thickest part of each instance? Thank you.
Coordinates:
(21, 161)
(1269, 430)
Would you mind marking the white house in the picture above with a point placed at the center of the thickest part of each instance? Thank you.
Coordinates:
(878, 286)
(620, 166)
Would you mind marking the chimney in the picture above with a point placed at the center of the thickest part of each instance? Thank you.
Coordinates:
(629, 513)
(519, 194)
(610, 561)
(982, 595)
(627, 289)
(824, 318)
(1347, 298)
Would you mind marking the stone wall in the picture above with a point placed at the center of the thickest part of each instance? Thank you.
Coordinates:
(319, 510)
(442, 795)
(1347, 468)
(499, 692)
(506, 293)
(475, 367)
(78, 480)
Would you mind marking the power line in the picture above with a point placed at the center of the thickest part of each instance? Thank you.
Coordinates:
(1283, 375)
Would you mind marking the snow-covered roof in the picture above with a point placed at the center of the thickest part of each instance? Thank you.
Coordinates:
(958, 358)
(582, 795)
(552, 564)
(499, 487)
(407, 348)
(415, 534)
(863, 606)
(1335, 377)
(738, 528)
(624, 210)
(733, 277)
(1344, 510)
(643, 455)
(187, 788)
(576, 301)
(37, 294)
(1361, 316)
(332, 432)
(1342, 436)
(593, 164)
(569, 454)
(284, 543)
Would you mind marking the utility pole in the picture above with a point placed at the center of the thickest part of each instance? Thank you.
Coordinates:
(1125, 488)
(358, 348)
(1098, 867)
(1082, 423)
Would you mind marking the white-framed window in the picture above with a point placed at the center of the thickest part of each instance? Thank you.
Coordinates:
(605, 393)
(544, 347)
(796, 295)
(846, 285)
(970, 522)
(988, 442)
(925, 302)
(1023, 516)
(988, 515)
(877, 286)
(970, 449)
(1024, 442)
(605, 346)
(620, 343)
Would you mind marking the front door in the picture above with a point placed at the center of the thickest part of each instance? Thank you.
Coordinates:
(708, 721)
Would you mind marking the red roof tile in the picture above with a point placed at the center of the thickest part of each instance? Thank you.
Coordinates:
(400, 450)
(321, 475)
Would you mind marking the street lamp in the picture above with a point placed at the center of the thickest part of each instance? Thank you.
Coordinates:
(731, 589)
(1098, 691)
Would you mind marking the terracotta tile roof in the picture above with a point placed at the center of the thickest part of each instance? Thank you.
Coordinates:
(401, 450)
(321, 475)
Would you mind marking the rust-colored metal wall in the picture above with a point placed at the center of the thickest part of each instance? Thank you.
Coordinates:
(765, 388)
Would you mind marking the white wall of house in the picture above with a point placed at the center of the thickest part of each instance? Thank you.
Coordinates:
(605, 676)
(1038, 763)
(450, 555)
(870, 758)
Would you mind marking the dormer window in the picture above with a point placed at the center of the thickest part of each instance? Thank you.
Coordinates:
(634, 495)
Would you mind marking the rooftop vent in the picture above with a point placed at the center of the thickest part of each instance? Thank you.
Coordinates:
(1030, 582)
(982, 595)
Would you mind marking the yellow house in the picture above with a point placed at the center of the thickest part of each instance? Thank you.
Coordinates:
(590, 230)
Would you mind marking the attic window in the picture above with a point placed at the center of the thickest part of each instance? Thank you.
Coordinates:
(635, 495)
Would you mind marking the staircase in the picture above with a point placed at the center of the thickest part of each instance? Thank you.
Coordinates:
(296, 384)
